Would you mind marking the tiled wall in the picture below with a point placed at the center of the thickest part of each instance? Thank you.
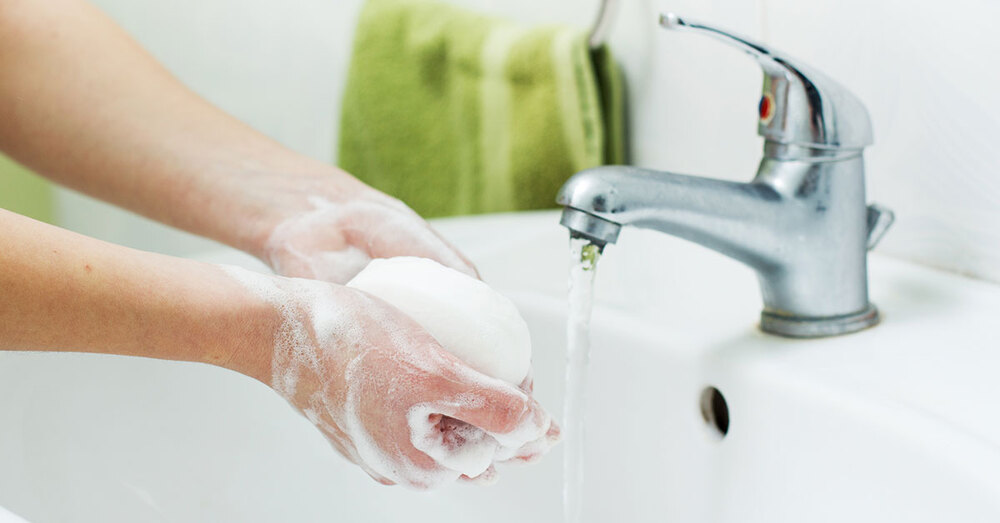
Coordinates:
(927, 73)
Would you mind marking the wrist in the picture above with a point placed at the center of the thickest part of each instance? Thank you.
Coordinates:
(244, 326)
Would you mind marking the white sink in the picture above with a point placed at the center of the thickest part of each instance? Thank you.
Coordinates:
(897, 423)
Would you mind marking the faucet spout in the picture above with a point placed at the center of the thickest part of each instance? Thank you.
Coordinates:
(727, 217)
(597, 230)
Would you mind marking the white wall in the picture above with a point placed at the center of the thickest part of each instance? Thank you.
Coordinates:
(275, 65)
(926, 72)
(929, 74)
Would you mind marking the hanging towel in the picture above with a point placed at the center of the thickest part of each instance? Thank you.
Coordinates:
(458, 113)
(24, 192)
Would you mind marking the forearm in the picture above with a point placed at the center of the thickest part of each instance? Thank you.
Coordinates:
(60, 291)
(83, 104)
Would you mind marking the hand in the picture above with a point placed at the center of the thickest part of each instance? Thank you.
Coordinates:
(385, 393)
(332, 239)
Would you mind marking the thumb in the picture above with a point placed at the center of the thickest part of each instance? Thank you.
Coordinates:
(477, 422)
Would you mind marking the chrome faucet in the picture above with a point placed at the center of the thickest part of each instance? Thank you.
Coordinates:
(802, 223)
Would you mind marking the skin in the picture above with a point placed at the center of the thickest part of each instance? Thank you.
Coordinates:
(381, 365)
(84, 105)
(66, 292)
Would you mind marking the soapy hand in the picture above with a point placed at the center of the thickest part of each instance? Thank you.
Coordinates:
(385, 393)
(333, 239)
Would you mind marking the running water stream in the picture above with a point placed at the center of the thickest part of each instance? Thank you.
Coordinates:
(583, 264)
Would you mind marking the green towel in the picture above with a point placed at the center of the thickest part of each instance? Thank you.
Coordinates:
(457, 113)
(23, 192)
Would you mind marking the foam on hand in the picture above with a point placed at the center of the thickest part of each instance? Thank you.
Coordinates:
(295, 248)
(323, 323)
(476, 324)
(468, 318)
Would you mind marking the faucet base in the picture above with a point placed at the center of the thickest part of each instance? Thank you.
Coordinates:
(800, 327)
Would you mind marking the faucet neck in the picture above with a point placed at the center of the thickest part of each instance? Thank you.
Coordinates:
(783, 151)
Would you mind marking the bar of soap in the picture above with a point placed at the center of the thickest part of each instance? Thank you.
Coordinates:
(468, 318)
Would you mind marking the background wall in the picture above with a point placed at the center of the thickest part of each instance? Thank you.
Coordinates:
(924, 71)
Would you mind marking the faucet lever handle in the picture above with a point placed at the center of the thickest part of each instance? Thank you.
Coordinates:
(879, 220)
(799, 106)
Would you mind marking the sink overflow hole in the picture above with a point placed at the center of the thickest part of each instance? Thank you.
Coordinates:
(715, 411)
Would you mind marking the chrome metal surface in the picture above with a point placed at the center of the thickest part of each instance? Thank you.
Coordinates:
(879, 221)
(598, 230)
(808, 109)
(794, 327)
(605, 18)
(802, 223)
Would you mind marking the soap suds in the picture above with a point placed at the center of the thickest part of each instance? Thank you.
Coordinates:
(332, 339)
(452, 443)
(365, 226)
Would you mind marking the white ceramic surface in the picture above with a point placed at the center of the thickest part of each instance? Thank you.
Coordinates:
(897, 423)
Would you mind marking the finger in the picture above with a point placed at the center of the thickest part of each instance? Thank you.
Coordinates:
(528, 385)
(428, 244)
(451, 443)
(463, 264)
(532, 451)
(381, 480)
(335, 266)
(386, 233)
(505, 412)
(489, 477)
(375, 475)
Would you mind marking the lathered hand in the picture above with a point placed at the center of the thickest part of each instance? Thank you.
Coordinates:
(332, 239)
(385, 393)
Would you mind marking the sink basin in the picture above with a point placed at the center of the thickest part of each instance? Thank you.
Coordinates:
(694, 415)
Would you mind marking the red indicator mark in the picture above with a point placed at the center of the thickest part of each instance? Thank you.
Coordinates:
(766, 107)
